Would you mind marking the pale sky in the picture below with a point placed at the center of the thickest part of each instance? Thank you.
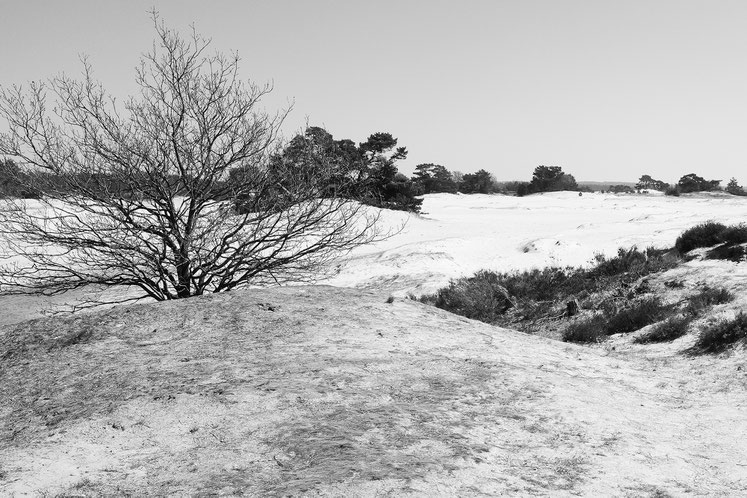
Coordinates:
(609, 90)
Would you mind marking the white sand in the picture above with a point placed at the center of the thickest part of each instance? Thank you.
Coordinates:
(460, 234)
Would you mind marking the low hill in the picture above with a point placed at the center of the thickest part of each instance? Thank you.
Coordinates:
(325, 391)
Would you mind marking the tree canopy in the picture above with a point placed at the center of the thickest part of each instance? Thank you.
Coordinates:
(551, 179)
(694, 183)
(646, 182)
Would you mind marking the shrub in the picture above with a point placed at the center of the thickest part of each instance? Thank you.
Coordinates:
(673, 191)
(668, 330)
(480, 297)
(487, 295)
(709, 296)
(703, 235)
(727, 252)
(544, 284)
(641, 313)
(734, 234)
(588, 330)
(719, 336)
(623, 262)
(634, 262)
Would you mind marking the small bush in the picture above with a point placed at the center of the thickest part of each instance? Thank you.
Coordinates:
(480, 297)
(637, 316)
(668, 330)
(709, 296)
(719, 336)
(623, 262)
(734, 234)
(588, 330)
(674, 284)
(634, 262)
(703, 235)
(673, 191)
(487, 295)
(727, 252)
(544, 284)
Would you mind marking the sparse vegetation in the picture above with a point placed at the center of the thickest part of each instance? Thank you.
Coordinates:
(615, 287)
(709, 296)
(517, 297)
(718, 337)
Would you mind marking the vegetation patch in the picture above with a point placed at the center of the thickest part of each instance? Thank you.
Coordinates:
(520, 298)
(587, 330)
(480, 297)
(614, 289)
(641, 313)
(666, 331)
(734, 234)
(703, 235)
(718, 337)
(727, 252)
(710, 234)
(615, 321)
(707, 297)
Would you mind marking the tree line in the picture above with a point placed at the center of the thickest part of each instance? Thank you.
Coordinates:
(689, 183)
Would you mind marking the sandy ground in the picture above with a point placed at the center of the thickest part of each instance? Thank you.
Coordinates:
(322, 391)
(327, 391)
(460, 234)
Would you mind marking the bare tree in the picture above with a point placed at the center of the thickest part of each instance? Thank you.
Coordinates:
(145, 196)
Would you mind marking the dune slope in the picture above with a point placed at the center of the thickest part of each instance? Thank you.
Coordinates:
(334, 392)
